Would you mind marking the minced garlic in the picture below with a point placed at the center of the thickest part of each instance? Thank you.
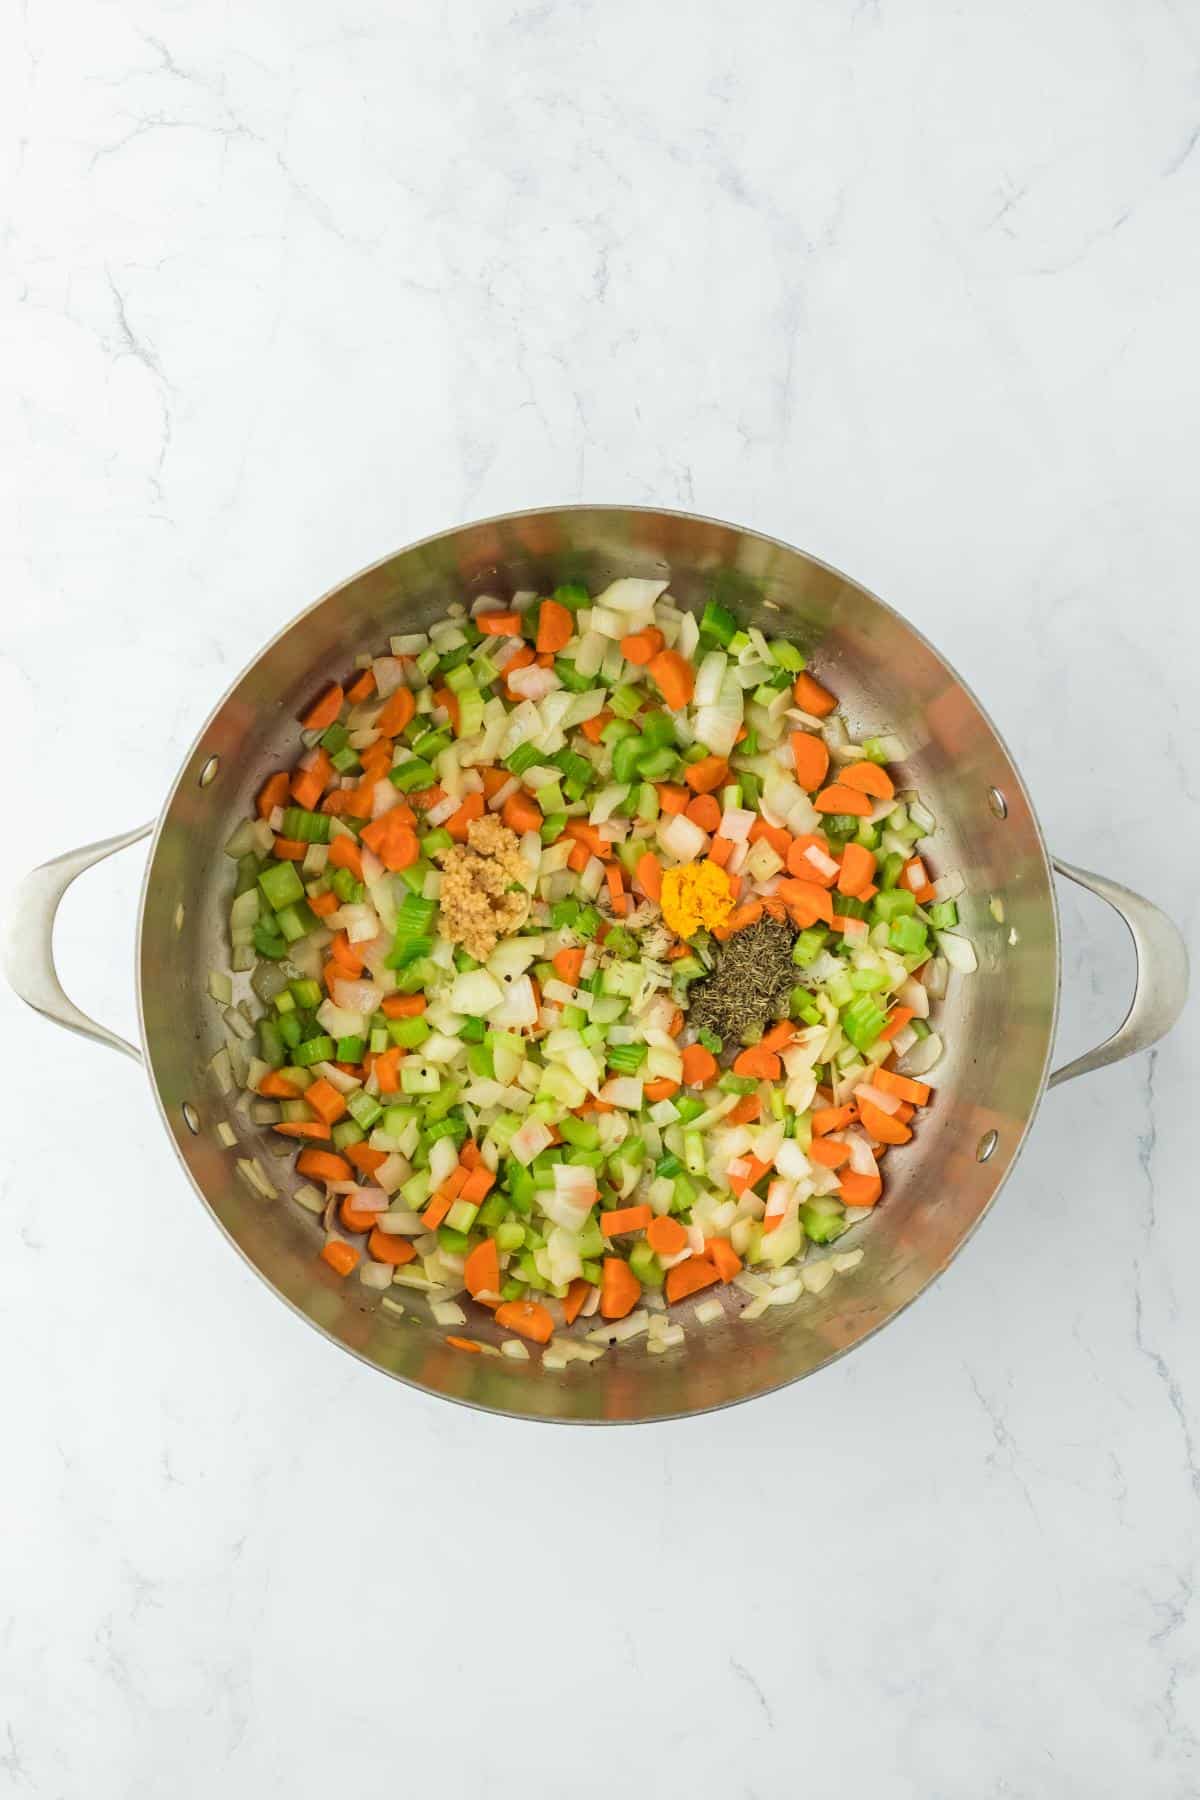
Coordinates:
(696, 894)
(483, 897)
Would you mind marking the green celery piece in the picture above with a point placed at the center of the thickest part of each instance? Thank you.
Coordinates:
(281, 885)
(411, 776)
(314, 1050)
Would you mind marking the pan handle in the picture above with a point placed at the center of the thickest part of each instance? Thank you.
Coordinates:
(1161, 982)
(29, 941)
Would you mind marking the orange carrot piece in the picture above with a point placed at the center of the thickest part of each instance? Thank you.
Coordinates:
(777, 836)
(304, 1128)
(470, 1156)
(459, 823)
(661, 1088)
(399, 710)
(754, 1172)
(898, 1018)
(272, 793)
(403, 1006)
(620, 1289)
(324, 1165)
(799, 864)
(860, 1190)
(324, 709)
(671, 797)
(555, 626)
(759, 1064)
(779, 1036)
(828, 1152)
(500, 624)
(340, 1256)
(478, 1185)
(578, 859)
(625, 1218)
(748, 1108)
(868, 778)
(345, 955)
(386, 1248)
(640, 646)
(353, 1219)
(589, 835)
(521, 814)
(289, 849)
(481, 1271)
(690, 1277)
(674, 677)
(648, 875)
(323, 904)
(365, 1158)
(325, 1101)
(275, 1086)
(386, 1069)
(880, 1125)
(720, 850)
(573, 1299)
(831, 1118)
(858, 866)
(344, 853)
(616, 889)
(593, 728)
(462, 1343)
(811, 757)
(709, 773)
(812, 698)
(436, 1210)
(528, 1318)
(839, 799)
(666, 1236)
(902, 1086)
(724, 1257)
(362, 687)
(568, 965)
(705, 812)
(699, 1066)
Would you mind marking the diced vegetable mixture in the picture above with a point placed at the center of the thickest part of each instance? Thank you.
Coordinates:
(591, 966)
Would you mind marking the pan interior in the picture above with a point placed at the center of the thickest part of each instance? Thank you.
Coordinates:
(998, 1024)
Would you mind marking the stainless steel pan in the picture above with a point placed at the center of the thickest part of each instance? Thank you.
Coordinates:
(999, 1024)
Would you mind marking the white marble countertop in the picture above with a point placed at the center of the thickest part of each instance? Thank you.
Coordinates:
(915, 288)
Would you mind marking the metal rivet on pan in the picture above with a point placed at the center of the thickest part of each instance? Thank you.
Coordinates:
(191, 1118)
(208, 772)
(987, 1144)
(998, 803)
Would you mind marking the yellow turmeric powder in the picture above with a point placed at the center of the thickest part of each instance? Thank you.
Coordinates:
(696, 894)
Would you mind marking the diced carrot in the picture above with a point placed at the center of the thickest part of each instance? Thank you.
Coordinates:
(574, 1298)
(828, 1152)
(676, 1022)
(779, 839)
(386, 1070)
(340, 1256)
(272, 793)
(625, 1218)
(353, 1218)
(521, 813)
(462, 1343)
(447, 699)
(478, 1185)
(589, 835)
(436, 1210)
(859, 1190)
(724, 1257)
(666, 1236)
(555, 626)
(362, 687)
(699, 1066)
(779, 1036)
(403, 1006)
(740, 917)
(578, 859)
(324, 709)
(799, 864)
(674, 677)
(344, 853)
(812, 698)
(858, 867)
(392, 839)
(839, 799)
(811, 757)
(831, 1118)
(661, 1088)
(902, 1086)
(690, 1277)
(289, 849)
(720, 850)
(365, 1158)
(748, 1108)
(868, 778)
(303, 1128)
(648, 875)
(754, 1171)
(758, 1064)
(671, 798)
(709, 773)
(898, 1018)
(481, 1271)
(325, 1101)
(310, 782)
(528, 1318)
(323, 1165)
(344, 953)
(640, 646)
(323, 904)
(500, 624)
(384, 1246)
(620, 1289)
(705, 812)
(616, 889)
(880, 1125)
(459, 823)
(593, 728)
(275, 1086)
(568, 965)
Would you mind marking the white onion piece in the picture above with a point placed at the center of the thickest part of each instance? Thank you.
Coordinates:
(445, 809)
(476, 993)
(923, 1056)
(823, 864)
(709, 677)
(886, 1103)
(736, 822)
(630, 594)
(682, 838)
(904, 1040)
(389, 675)
(949, 886)
(357, 996)
(935, 976)
(959, 952)
(915, 995)
(861, 1159)
(533, 682)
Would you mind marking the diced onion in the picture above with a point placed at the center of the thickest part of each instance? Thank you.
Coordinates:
(958, 951)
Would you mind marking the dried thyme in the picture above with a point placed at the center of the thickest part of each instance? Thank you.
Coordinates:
(750, 985)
